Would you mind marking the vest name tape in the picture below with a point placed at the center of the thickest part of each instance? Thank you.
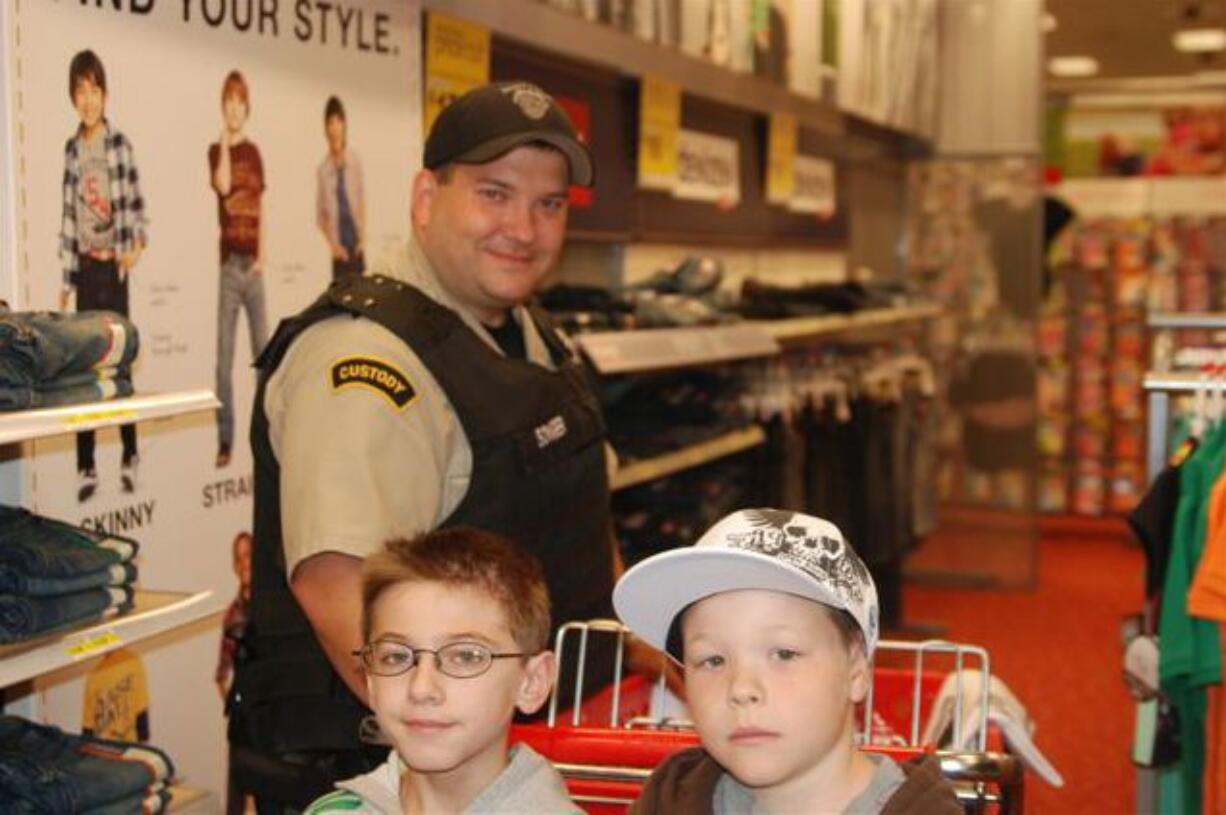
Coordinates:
(375, 374)
(551, 431)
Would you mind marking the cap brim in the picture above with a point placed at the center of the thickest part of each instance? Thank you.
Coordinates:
(649, 596)
(582, 170)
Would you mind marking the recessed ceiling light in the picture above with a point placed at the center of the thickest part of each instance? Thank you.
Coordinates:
(1200, 40)
(1072, 66)
(1048, 23)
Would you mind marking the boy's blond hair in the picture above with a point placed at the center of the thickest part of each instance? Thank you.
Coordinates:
(465, 556)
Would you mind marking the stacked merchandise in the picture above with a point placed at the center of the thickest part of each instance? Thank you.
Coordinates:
(653, 415)
(761, 300)
(1053, 385)
(1181, 522)
(690, 295)
(54, 575)
(43, 769)
(49, 359)
(1092, 402)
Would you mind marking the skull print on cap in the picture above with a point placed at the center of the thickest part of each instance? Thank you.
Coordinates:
(771, 549)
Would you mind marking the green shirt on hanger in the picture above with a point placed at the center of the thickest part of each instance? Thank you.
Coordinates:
(1190, 654)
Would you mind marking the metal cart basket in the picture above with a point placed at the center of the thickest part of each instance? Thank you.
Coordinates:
(606, 747)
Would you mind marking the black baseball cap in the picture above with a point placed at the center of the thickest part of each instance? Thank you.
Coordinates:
(494, 119)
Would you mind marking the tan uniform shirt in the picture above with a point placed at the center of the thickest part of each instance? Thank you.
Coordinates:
(356, 470)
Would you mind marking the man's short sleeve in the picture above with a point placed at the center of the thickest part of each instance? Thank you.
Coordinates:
(367, 443)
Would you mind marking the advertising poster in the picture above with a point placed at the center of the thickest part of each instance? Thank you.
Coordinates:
(205, 168)
(1175, 140)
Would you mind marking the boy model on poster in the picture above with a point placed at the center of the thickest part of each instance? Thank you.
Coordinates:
(456, 624)
(340, 197)
(102, 232)
(774, 618)
(236, 174)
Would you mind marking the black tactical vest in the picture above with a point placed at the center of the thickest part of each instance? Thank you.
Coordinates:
(538, 478)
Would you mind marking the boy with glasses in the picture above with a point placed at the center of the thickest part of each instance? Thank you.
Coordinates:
(455, 625)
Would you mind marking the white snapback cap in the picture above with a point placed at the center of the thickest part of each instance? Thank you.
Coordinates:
(772, 549)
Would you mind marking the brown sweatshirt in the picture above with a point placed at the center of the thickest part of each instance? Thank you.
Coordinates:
(685, 785)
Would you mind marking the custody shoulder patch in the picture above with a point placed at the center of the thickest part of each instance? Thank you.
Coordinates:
(368, 372)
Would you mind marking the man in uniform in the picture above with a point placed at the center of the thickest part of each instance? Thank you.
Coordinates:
(426, 395)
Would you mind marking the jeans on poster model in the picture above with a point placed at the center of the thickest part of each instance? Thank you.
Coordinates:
(22, 618)
(240, 287)
(61, 772)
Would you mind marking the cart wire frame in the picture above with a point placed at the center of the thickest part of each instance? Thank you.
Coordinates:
(971, 772)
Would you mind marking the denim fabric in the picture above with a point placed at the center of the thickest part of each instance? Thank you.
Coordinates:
(73, 389)
(14, 582)
(240, 287)
(40, 347)
(22, 618)
(59, 772)
(39, 547)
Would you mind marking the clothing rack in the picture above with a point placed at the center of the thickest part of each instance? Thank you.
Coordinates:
(1160, 386)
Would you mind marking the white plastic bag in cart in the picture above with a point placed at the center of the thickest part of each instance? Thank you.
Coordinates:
(1004, 709)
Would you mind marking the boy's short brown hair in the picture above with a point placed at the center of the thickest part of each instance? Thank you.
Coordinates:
(236, 85)
(465, 556)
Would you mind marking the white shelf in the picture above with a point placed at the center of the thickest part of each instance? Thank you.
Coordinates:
(1213, 320)
(650, 469)
(651, 349)
(1176, 382)
(22, 425)
(156, 612)
(801, 328)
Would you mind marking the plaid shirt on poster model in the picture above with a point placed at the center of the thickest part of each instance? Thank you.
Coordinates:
(127, 203)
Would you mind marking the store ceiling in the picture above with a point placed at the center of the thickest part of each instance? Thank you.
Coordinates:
(1132, 38)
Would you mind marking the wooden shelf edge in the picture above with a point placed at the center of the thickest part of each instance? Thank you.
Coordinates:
(687, 458)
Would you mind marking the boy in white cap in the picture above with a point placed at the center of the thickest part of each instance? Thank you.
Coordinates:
(774, 617)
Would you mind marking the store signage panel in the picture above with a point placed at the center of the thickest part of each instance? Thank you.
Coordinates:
(1107, 197)
(659, 131)
(780, 158)
(814, 187)
(1189, 196)
(457, 60)
(580, 113)
(708, 169)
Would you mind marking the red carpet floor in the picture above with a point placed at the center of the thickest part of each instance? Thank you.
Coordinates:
(1058, 648)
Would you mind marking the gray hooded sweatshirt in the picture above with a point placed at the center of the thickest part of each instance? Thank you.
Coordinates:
(528, 784)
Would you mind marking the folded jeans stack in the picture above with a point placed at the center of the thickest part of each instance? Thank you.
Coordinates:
(760, 300)
(53, 574)
(43, 769)
(49, 359)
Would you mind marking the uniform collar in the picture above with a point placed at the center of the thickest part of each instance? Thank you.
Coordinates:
(411, 266)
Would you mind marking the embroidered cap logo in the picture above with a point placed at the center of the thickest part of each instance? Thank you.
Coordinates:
(531, 100)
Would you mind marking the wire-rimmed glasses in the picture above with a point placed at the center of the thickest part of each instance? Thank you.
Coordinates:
(461, 660)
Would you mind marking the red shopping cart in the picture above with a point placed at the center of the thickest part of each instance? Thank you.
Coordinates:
(607, 747)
